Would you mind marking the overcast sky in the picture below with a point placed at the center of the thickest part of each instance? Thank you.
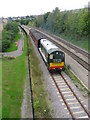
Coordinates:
(11, 8)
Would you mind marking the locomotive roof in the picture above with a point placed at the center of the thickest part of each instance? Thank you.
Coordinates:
(49, 46)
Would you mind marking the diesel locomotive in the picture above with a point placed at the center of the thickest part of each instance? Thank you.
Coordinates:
(53, 56)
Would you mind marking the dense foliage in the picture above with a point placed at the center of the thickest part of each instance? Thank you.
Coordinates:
(73, 22)
(24, 22)
(8, 34)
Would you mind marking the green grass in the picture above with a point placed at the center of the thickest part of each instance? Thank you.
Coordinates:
(14, 72)
(75, 39)
(41, 106)
(12, 48)
(76, 81)
(18, 37)
(81, 42)
(0, 88)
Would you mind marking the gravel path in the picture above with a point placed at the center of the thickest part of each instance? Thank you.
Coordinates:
(17, 52)
(26, 109)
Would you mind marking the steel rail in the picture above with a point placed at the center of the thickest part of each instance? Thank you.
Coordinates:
(63, 98)
(84, 64)
(75, 57)
(75, 95)
(85, 53)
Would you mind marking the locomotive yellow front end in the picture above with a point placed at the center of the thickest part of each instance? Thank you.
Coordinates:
(56, 61)
(53, 56)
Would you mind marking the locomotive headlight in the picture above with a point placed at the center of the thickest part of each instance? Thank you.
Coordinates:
(57, 53)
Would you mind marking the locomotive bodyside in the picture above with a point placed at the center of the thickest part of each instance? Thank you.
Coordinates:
(52, 55)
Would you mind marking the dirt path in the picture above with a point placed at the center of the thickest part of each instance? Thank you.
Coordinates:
(18, 52)
(26, 109)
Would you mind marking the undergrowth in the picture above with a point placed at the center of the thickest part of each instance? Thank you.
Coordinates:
(75, 80)
(41, 106)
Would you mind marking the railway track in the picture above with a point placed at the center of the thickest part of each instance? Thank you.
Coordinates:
(83, 52)
(82, 62)
(72, 102)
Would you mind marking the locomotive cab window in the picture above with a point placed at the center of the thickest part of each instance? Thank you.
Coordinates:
(51, 56)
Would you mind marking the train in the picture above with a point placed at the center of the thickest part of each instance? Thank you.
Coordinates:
(53, 56)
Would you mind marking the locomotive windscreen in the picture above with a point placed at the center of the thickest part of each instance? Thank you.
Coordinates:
(57, 56)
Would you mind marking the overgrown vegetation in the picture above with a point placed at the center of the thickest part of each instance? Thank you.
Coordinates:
(76, 81)
(12, 47)
(14, 72)
(41, 105)
(71, 25)
(9, 34)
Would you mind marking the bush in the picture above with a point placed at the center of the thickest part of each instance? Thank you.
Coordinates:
(8, 34)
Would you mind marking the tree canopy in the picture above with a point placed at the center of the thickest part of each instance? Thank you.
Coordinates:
(73, 22)
(8, 34)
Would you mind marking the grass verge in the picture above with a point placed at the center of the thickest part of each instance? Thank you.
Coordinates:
(14, 72)
(18, 37)
(41, 106)
(0, 89)
(76, 81)
(80, 42)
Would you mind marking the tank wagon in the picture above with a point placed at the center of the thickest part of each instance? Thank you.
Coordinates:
(52, 55)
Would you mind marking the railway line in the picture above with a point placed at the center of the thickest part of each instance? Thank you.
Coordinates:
(73, 103)
(76, 48)
(76, 57)
(71, 100)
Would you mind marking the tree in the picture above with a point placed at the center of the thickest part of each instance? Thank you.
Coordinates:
(8, 34)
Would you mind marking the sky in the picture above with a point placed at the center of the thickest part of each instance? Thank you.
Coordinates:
(15, 8)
